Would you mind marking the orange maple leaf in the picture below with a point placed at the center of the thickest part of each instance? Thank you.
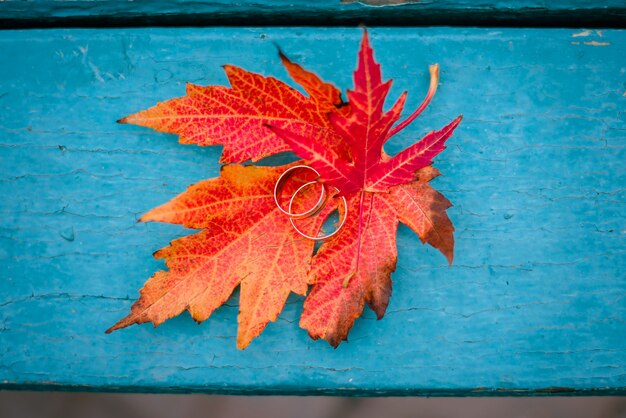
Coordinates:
(248, 241)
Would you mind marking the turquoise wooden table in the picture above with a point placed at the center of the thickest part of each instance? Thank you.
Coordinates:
(534, 304)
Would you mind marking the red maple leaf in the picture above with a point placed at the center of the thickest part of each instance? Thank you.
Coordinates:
(248, 241)
(365, 130)
(355, 267)
(236, 117)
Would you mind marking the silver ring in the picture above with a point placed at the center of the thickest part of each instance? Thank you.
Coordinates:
(279, 186)
(323, 237)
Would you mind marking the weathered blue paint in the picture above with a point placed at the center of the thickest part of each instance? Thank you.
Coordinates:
(184, 12)
(534, 303)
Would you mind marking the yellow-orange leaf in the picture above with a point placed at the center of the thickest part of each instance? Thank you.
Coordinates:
(258, 249)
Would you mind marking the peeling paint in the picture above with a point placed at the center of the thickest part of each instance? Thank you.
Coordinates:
(588, 33)
(381, 3)
(592, 43)
(596, 43)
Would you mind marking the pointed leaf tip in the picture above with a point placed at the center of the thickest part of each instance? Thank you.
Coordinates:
(116, 326)
(366, 36)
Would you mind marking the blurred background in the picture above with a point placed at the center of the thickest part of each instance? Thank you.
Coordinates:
(96, 405)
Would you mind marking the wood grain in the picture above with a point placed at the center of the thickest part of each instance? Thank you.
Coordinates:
(24, 13)
(535, 302)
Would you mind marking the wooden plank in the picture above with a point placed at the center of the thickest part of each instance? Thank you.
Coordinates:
(535, 302)
(303, 12)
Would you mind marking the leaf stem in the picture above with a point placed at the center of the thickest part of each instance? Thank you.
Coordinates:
(434, 81)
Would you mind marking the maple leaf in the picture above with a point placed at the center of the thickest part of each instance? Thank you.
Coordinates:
(245, 241)
(355, 267)
(365, 130)
(236, 117)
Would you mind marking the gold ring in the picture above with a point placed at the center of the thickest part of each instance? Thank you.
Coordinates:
(280, 184)
(323, 237)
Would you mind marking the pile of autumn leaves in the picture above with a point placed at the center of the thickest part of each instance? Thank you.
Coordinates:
(247, 241)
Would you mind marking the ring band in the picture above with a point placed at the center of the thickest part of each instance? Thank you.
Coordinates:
(323, 237)
(280, 184)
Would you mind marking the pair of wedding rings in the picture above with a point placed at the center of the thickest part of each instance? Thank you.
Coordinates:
(315, 209)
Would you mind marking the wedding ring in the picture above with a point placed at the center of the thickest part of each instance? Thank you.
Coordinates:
(323, 237)
(280, 183)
